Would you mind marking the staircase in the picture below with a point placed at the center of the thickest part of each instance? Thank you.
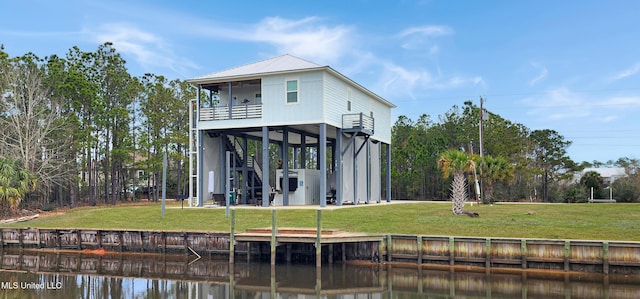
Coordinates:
(253, 168)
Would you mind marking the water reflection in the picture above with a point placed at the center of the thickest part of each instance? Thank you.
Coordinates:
(70, 275)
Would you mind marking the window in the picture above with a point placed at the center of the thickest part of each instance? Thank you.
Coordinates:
(258, 98)
(348, 105)
(292, 91)
(349, 99)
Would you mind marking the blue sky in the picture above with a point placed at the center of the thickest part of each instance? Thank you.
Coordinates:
(570, 66)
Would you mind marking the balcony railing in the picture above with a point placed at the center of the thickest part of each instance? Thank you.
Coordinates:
(358, 122)
(237, 112)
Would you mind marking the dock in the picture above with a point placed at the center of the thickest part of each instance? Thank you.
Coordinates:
(325, 245)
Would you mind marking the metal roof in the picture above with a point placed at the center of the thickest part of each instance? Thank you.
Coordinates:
(608, 172)
(284, 63)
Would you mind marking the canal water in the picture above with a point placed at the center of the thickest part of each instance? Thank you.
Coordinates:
(28, 274)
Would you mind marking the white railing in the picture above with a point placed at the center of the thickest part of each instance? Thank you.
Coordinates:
(358, 121)
(237, 112)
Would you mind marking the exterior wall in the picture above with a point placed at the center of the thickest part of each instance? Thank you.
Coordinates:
(335, 100)
(276, 111)
(240, 93)
(382, 117)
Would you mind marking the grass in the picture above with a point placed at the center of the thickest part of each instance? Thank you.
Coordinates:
(620, 222)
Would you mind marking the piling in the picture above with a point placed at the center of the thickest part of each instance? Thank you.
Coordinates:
(318, 236)
(231, 237)
(274, 232)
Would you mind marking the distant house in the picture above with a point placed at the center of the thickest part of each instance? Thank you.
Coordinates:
(302, 107)
(608, 174)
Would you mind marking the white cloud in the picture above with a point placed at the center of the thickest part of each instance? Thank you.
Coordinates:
(634, 69)
(428, 31)
(558, 104)
(307, 37)
(622, 102)
(541, 75)
(149, 50)
(563, 104)
(421, 38)
(401, 81)
(304, 37)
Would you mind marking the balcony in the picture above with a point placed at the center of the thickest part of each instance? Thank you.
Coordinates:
(358, 123)
(237, 112)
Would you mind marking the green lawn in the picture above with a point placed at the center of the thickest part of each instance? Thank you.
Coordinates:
(556, 221)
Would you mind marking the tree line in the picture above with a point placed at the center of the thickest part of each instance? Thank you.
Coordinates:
(80, 129)
(87, 130)
(517, 164)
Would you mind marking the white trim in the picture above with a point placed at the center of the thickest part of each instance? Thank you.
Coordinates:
(286, 91)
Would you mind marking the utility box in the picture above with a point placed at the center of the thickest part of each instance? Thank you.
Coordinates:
(304, 187)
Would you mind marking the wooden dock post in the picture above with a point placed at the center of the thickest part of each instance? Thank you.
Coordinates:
(523, 248)
(389, 248)
(452, 247)
(231, 237)
(318, 236)
(605, 257)
(419, 250)
(567, 254)
(273, 236)
(487, 261)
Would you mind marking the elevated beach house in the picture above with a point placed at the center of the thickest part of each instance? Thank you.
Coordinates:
(332, 137)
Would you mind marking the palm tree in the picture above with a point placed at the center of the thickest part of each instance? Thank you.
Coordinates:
(15, 182)
(457, 162)
(495, 169)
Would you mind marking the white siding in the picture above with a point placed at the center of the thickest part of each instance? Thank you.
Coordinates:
(382, 119)
(309, 107)
(336, 93)
(335, 101)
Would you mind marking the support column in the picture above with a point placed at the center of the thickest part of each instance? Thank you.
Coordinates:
(285, 166)
(244, 185)
(323, 164)
(333, 156)
(339, 166)
(368, 169)
(265, 166)
(355, 172)
(227, 185)
(199, 183)
(294, 157)
(388, 172)
(303, 151)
